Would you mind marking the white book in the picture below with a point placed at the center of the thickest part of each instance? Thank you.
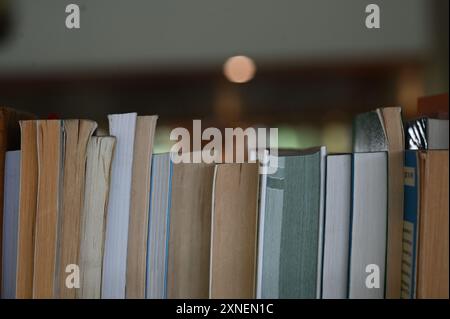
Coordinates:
(122, 126)
(158, 226)
(10, 224)
(437, 134)
(368, 231)
(337, 226)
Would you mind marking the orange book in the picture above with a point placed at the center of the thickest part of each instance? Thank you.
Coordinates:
(433, 250)
(27, 210)
(49, 150)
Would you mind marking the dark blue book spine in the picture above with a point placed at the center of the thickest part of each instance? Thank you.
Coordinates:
(410, 225)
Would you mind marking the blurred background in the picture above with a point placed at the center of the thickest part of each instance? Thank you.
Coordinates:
(309, 65)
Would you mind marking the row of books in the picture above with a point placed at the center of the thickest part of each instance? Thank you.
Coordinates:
(88, 216)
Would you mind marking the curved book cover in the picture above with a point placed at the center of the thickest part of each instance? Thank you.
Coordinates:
(291, 227)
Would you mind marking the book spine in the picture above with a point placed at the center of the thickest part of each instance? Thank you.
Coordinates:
(122, 126)
(166, 246)
(410, 225)
(10, 224)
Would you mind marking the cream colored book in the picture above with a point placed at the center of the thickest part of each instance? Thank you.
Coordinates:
(49, 150)
(190, 231)
(100, 152)
(234, 231)
(140, 197)
(392, 120)
(76, 134)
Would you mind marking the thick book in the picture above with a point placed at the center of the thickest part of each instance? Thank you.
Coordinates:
(49, 154)
(425, 271)
(76, 134)
(337, 226)
(158, 226)
(368, 228)
(426, 134)
(123, 127)
(377, 131)
(234, 231)
(140, 193)
(190, 231)
(27, 209)
(9, 140)
(10, 224)
(291, 227)
(100, 152)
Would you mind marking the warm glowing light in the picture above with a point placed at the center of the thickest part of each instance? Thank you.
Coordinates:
(239, 69)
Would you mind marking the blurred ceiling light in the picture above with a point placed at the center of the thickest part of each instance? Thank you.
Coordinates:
(239, 69)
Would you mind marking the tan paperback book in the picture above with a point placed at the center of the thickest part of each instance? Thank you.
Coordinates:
(76, 134)
(100, 152)
(27, 210)
(234, 231)
(190, 231)
(140, 196)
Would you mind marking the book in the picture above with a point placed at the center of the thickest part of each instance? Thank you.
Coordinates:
(100, 151)
(190, 231)
(426, 134)
(76, 134)
(368, 228)
(158, 226)
(49, 154)
(10, 224)
(433, 106)
(425, 270)
(234, 231)
(382, 130)
(433, 270)
(27, 209)
(337, 226)
(9, 140)
(140, 193)
(123, 127)
(410, 225)
(291, 227)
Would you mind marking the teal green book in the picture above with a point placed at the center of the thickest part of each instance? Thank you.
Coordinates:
(291, 227)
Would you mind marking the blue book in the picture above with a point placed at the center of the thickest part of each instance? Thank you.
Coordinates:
(122, 126)
(158, 226)
(10, 224)
(410, 225)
